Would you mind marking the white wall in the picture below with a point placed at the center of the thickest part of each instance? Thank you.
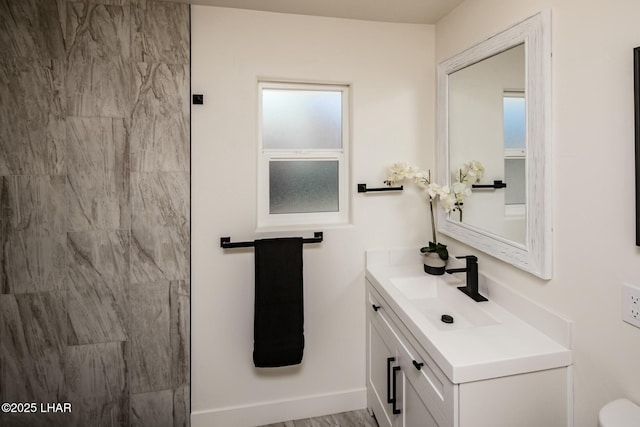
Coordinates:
(391, 71)
(594, 251)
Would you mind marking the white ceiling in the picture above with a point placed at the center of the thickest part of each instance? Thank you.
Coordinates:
(407, 11)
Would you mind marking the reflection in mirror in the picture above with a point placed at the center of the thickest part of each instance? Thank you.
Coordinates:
(515, 165)
(487, 123)
(494, 107)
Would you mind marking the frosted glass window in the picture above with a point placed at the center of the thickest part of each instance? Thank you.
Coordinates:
(301, 119)
(303, 186)
(303, 154)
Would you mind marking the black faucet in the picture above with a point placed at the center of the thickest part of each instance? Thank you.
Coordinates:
(472, 277)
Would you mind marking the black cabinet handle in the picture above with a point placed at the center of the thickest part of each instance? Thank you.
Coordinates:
(375, 307)
(396, 411)
(389, 361)
(418, 365)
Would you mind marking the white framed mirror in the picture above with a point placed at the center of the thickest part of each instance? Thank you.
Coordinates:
(494, 106)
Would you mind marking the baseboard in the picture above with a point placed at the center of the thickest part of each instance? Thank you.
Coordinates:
(281, 410)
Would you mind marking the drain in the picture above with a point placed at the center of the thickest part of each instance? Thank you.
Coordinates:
(446, 318)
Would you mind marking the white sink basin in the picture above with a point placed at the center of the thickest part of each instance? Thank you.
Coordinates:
(433, 297)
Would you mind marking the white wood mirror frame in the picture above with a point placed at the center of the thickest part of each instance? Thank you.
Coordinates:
(535, 254)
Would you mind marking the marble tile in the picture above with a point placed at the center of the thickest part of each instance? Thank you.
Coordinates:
(98, 88)
(31, 29)
(150, 343)
(32, 117)
(180, 332)
(160, 89)
(181, 407)
(154, 409)
(97, 385)
(159, 253)
(33, 263)
(159, 125)
(32, 329)
(98, 174)
(98, 31)
(160, 32)
(159, 199)
(34, 203)
(160, 144)
(33, 222)
(37, 419)
(98, 299)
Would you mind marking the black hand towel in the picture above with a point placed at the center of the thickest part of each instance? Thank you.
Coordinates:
(279, 312)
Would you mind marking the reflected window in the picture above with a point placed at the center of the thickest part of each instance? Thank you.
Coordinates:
(515, 125)
(514, 120)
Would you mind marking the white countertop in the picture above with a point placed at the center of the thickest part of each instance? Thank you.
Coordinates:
(509, 346)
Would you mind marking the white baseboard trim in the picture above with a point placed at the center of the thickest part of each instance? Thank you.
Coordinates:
(276, 411)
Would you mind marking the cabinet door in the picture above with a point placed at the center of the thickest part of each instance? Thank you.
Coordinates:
(382, 358)
(415, 412)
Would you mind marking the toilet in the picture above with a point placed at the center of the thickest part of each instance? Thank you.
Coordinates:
(619, 413)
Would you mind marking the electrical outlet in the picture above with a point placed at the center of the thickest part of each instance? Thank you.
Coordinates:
(631, 304)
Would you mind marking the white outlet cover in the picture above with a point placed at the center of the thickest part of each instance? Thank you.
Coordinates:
(631, 304)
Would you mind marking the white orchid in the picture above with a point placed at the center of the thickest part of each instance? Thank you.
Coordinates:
(471, 172)
(399, 172)
(451, 198)
(448, 201)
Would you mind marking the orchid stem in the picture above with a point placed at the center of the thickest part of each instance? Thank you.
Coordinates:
(433, 221)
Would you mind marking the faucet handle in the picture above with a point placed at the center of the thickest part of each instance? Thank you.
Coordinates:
(469, 258)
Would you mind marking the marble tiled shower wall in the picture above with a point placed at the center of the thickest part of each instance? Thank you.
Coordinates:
(94, 211)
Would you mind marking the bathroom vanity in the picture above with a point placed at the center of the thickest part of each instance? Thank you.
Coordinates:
(503, 362)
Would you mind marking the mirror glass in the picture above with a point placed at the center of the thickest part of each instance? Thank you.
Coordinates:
(487, 121)
(494, 108)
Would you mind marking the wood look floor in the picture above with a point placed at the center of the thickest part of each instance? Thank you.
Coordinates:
(345, 419)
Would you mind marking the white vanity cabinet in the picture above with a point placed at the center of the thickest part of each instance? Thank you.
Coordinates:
(406, 388)
(403, 387)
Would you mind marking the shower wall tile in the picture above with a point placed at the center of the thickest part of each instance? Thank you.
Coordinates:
(154, 409)
(38, 419)
(32, 116)
(98, 174)
(31, 29)
(94, 210)
(97, 385)
(160, 32)
(98, 292)
(150, 344)
(181, 407)
(180, 302)
(159, 253)
(98, 31)
(98, 88)
(34, 203)
(33, 263)
(160, 143)
(159, 126)
(32, 329)
(159, 199)
(33, 224)
(161, 89)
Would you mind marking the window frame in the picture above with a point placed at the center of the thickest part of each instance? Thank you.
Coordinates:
(265, 219)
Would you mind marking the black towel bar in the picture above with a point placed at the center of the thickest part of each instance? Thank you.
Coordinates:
(496, 184)
(225, 242)
(362, 188)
